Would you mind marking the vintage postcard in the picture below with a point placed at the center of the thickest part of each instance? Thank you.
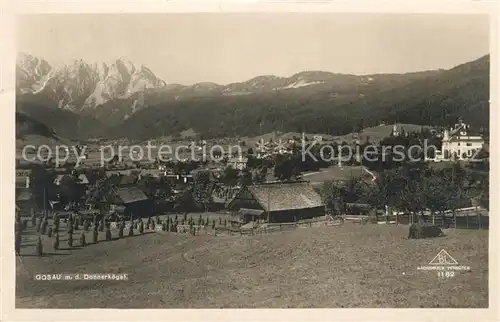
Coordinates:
(239, 159)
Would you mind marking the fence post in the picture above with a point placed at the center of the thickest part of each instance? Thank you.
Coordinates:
(433, 218)
(467, 221)
(479, 220)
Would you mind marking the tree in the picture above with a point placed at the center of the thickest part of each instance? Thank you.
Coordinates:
(246, 178)
(333, 197)
(101, 194)
(230, 176)
(42, 185)
(202, 189)
(283, 169)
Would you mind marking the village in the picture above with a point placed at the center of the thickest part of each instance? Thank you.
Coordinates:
(268, 188)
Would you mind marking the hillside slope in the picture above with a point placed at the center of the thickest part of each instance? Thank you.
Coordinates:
(435, 100)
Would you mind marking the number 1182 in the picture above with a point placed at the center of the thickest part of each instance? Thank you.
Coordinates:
(446, 274)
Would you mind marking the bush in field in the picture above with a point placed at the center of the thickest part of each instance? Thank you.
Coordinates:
(43, 228)
(86, 225)
(18, 243)
(108, 234)
(70, 240)
(82, 239)
(95, 235)
(55, 244)
(120, 231)
(39, 246)
(424, 230)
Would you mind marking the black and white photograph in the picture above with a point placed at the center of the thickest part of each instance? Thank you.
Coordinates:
(252, 160)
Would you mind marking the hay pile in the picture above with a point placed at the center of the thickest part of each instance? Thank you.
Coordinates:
(424, 230)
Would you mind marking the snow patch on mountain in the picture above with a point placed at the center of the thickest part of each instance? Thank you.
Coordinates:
(301, 83)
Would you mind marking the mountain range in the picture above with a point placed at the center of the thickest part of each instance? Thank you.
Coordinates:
(117, 99)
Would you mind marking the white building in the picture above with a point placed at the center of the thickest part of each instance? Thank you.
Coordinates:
(238, 163)
(318, 138)
(459, 144)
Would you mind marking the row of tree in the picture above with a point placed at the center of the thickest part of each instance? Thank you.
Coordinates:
(413, 188)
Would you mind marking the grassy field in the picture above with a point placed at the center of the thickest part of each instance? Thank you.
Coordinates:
(344, 266)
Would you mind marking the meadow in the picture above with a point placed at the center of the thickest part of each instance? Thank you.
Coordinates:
(350, 265)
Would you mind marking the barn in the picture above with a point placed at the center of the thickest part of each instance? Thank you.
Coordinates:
(133, 201)
(276, 202)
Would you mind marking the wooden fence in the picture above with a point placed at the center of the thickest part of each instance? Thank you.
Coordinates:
(466, 218)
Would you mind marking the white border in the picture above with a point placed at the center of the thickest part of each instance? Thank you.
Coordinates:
(7, 71)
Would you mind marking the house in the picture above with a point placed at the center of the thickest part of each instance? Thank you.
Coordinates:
(132, 201)
(318, 138)
(276, 202)
(459, 143)
(222, 195)
(239, 163)
(82, 179)
(24, 201)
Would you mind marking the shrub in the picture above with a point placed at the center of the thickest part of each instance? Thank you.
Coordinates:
(43, 228)
(424, 230)
(18, 243)
(95, 236)
(70, 240)
(39, 246)
(108, 234)
(82, 239)
(55, 244)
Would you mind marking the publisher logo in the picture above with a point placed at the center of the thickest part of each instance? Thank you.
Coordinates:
(444, 264)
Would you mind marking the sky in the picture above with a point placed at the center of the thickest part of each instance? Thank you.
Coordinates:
(224, 48)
